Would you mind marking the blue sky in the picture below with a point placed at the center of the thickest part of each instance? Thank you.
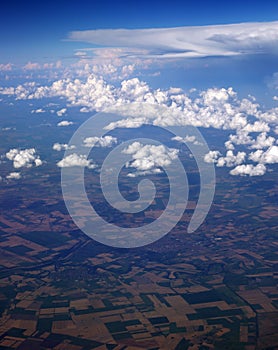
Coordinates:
(211, 64)
(35, 30)
(41, 32)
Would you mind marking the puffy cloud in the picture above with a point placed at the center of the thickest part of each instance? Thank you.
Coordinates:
(256, 156)
(231, 159)
(270, 156)
(186, 139)
(13, 175)
(105, 69)
(128, 123)
(62, 147)
(270, 116)
(215, 96)
(263, 141)
(229, 145)
(24, 158)
(75, 160)
(258, 126)
(43, 66)
(105, 141)
(61, 112)
(242, 137)
(249, 169)
(84, 110)
(32, 66)
(134, 89)
(7, 91)
(94, 93)
(216, 108)
(149, 159)
(180, 42)
(127, 70)
(111, 63)
(38, 162)
(6, 67)
(108, 67)
(212, 156)
(39, 110)
(64, 123)
(48, 65)
(51, 66)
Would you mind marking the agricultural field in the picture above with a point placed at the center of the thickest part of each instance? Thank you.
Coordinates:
(218, 286)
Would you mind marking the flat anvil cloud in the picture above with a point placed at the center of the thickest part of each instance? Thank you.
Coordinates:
(182, 42)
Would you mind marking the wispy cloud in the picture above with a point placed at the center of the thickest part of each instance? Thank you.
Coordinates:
(188, 42)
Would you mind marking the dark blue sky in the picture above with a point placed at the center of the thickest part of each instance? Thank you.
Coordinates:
(34, 30)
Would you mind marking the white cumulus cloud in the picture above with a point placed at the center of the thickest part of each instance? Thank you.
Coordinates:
(23, 158)
(75, 160)
(13, 175)
(64, 123)
(270, 156)
(149, 159)
(6, 67)
(39, 110)
(105, 141)
(212, 156)
(32, 66)
(61, 112)
(249, 169)
(231, 159)
(263, 141)
(62, 147)
(251, 126)
(187, 138)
